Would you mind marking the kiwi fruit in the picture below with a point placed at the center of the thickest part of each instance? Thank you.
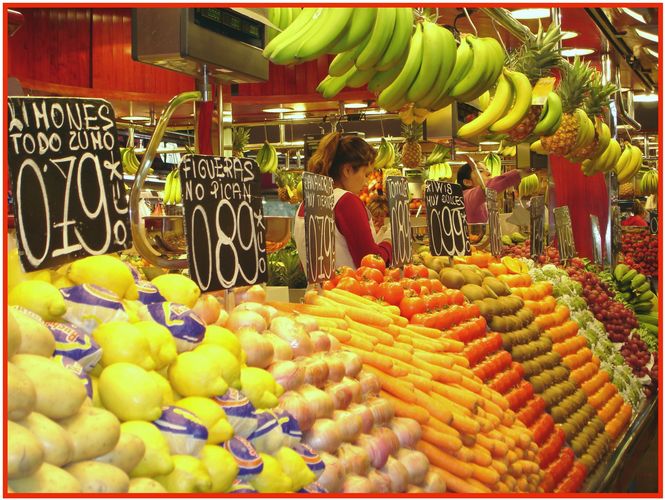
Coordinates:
(471, 277)
(569, 430)
(473, 292)
(451, 278)
(537, 383)
(482, 307)
(497, 286)
(499, 324)
(486, 273)
(489, 292)
(493, 306)
(558, 414)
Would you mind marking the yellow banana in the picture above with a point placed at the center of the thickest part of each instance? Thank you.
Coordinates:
(503, 98)
(521, 106)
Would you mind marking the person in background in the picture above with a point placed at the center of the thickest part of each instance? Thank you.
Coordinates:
(474, 179)
(348, 160)
(638, 218)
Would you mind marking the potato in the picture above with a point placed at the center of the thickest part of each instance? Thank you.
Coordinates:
(145, 485)
(24, 453)
(127, 453)
(60, 393)
(36, 338)
(54, 440)
(94, 432)
(21, 395)
(98, 477)
(13, 334)
(48, 479)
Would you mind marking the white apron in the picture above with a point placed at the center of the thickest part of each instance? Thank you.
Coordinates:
(342, 255)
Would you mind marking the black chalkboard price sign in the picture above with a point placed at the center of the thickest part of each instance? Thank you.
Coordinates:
(494, 224)
(537, 228)
(319, 226)
(564, 233)
(446, 219)
(400, 219)
(66, 178)
(224, 225)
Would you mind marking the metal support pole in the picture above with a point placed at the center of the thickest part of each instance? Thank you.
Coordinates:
(220, 125)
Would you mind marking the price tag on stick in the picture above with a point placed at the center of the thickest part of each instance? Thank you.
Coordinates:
(400, 219)
(494, 224)
(564, 233)
(446, 219)
(66, 178)
(224, 224)
(595, 240)
(319, 226)
(653, 221)
(537, 227)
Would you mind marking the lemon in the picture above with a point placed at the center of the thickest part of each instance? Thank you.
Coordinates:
(272, 478)
(226, 338)
(229, 364)
(121, 341)
(168, 398)
(177, 288)
(156, 459)
(221, 466)
(105, 271)
(132, 308)
(212, 416)
(95, 392)
(39, 297)
(161, 342)
(196, 374)
(189, 475)
(130, 392)
(260, 387)
(63, 282)
(15, 274)
(295, 467)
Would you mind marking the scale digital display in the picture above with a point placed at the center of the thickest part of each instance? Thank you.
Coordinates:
(231, 24)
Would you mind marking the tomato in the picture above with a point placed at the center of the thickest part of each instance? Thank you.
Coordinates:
(410, 284)
(344, 271)
(431, 302)
(411, 271)
(374, 261)
(418, 319)
(409, 306)
(424, 283)
(424, 291)
(369, 273)
(454, 296)
(422, 271)
(351, 285)
(435, 285)
(329, 285)
(371, 287)
(391, 292)
(393, 274)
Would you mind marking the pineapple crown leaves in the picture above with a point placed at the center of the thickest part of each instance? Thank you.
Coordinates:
(240, 138)
(575, 84)
(412, 132)
(599, 95)
(539, 55)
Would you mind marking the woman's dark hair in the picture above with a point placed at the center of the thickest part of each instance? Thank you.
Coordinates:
(463, 174)
(336, 150)
(638, 209)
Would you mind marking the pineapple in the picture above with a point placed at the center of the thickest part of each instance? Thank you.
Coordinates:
(572, 89)
(240, 138)
(599, 98)
(535, 59)
(411, 151)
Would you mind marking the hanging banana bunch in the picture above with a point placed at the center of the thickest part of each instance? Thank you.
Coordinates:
(130, 163)
(649, 183)
(385, 157)
(282, 17)
(439, 168)
(172, 193)
(493, 163)
(267, 158)
(528, 186)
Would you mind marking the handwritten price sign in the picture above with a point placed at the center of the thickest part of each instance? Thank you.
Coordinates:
(400, 219)
(446, 219)
(319, 226)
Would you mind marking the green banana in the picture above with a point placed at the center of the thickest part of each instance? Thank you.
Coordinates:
(648, 318)
(553, 111)
(620, 270)
(430, 63)
(643, 307)
(382, 79)
(359, 77)
(287, 38)
(330, 86)
(379, 39)
(627, 278)
(394, 96)
(477, 68)
(522, 104)
(323, 33)
(400, 39)
(168, 187)
(359, 28)
(502, 99)
(463, 61)
(448, 50)
(637, 281)
(344, 61)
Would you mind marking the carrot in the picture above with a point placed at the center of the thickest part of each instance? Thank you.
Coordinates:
(482, 456)
(438, 373)
(495, 398)
(422, 383)
(502, 487)
(439, 426)
(444, 460)
(484, 474)
(419, 341)
(359, 334)
(379, 335)
(365, 316)
(342, 335)
(455, 483)
(404, 346)
(405, 339)
(441, 440)
(332, 323)
(601, 397)
(393, 353)
(464, 454)
(324, 310)
(397, 387)
(440, 360)
(359, 341)
(379, 361)
(407, 368)
(611, 408)
(596, 382)
(406, 410)
(432, 333)
(459, 395)
(351, 299)
(439, 412)
(461, 362)
(465, 424)
(481, 486)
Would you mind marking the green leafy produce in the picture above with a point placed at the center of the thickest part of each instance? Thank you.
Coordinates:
(285, 269)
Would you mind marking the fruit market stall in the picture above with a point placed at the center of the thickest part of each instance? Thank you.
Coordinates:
(173, 340)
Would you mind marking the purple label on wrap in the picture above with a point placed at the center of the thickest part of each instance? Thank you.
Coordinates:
(148, 293)
(313, 488)
(183, 323)
(77, 370)
(249, 461)
(240, 487)
(311, 458)
(75, 344)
